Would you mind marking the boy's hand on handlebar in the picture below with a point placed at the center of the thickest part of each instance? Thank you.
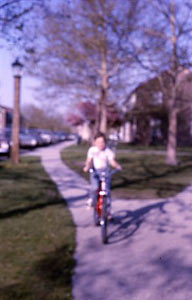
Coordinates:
(85, 169)
(119, 168)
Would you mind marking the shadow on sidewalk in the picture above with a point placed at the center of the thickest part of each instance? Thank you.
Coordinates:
(126, 222)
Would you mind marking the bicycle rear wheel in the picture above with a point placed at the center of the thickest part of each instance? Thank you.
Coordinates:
(104, 221)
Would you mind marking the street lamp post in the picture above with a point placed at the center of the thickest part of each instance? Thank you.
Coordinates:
(17, 72)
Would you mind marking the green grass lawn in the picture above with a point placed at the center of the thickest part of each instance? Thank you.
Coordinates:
(144, 176)
(37, 235)
(132, 147)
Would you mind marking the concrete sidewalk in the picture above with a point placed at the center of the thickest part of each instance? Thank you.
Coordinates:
(150, 242)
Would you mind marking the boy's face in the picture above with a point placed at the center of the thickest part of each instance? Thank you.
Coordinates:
(100, 143)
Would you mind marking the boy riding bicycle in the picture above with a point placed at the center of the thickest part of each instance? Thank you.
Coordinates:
(99, 157)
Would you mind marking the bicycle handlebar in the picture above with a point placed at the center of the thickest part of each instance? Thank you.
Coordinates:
(108, 171)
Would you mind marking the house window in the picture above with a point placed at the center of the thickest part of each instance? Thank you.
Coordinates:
(158, 97)
(1, 120)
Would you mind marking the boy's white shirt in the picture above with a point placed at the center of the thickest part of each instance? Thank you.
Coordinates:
(100, 158)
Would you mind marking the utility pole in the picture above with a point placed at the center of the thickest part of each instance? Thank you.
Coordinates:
(17, 72)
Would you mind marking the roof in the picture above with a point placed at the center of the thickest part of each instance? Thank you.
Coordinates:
(8, 109)
(153, 84)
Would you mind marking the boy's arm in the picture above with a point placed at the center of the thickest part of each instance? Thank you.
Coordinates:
(115, 164)
(87, 164)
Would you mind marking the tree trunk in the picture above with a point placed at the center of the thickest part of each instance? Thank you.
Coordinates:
(143, 130)
(172, 138)
(98, 117)
(103, 120)
(104, 89)
(16, 122)
(172, 129)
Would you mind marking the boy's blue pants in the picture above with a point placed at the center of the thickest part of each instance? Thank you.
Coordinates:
(94, 180)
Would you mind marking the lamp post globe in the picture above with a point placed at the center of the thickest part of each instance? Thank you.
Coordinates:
(17, 68)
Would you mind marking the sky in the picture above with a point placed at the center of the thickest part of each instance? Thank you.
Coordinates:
(7, 82)
(28, 85)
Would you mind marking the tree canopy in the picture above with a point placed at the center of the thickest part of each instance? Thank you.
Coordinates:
(15, 15)
(93, 50)
(84, 51)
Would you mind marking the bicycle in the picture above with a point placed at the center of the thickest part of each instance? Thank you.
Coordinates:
(102, 203)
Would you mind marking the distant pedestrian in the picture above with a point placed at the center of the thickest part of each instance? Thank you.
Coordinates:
(78, 139)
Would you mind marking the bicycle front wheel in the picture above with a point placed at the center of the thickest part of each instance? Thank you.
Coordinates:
(104, 221)
(97, 211)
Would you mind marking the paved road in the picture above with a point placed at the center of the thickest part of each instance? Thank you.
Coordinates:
(149, 255)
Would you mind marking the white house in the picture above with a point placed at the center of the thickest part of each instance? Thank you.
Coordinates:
(5, 117)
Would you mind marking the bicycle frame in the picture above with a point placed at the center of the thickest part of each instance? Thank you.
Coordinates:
(102, 191)
(101, 205)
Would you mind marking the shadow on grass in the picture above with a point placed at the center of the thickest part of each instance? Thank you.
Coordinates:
(24, 177)
(56, 266)
(24, 210)
(159, 189)
(28, 170)
(148, 176)
(162, 183)
(152, 174)
(49, 278)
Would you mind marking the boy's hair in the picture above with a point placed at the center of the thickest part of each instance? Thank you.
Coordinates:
(100, 134)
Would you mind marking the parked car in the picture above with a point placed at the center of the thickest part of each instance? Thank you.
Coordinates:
(27, 141)
(114, 137)
(4, 144)
(37, 136)
(62, 136)
(45, 135)
(54, 137)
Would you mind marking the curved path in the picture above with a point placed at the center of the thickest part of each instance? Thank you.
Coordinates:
(149, 255)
